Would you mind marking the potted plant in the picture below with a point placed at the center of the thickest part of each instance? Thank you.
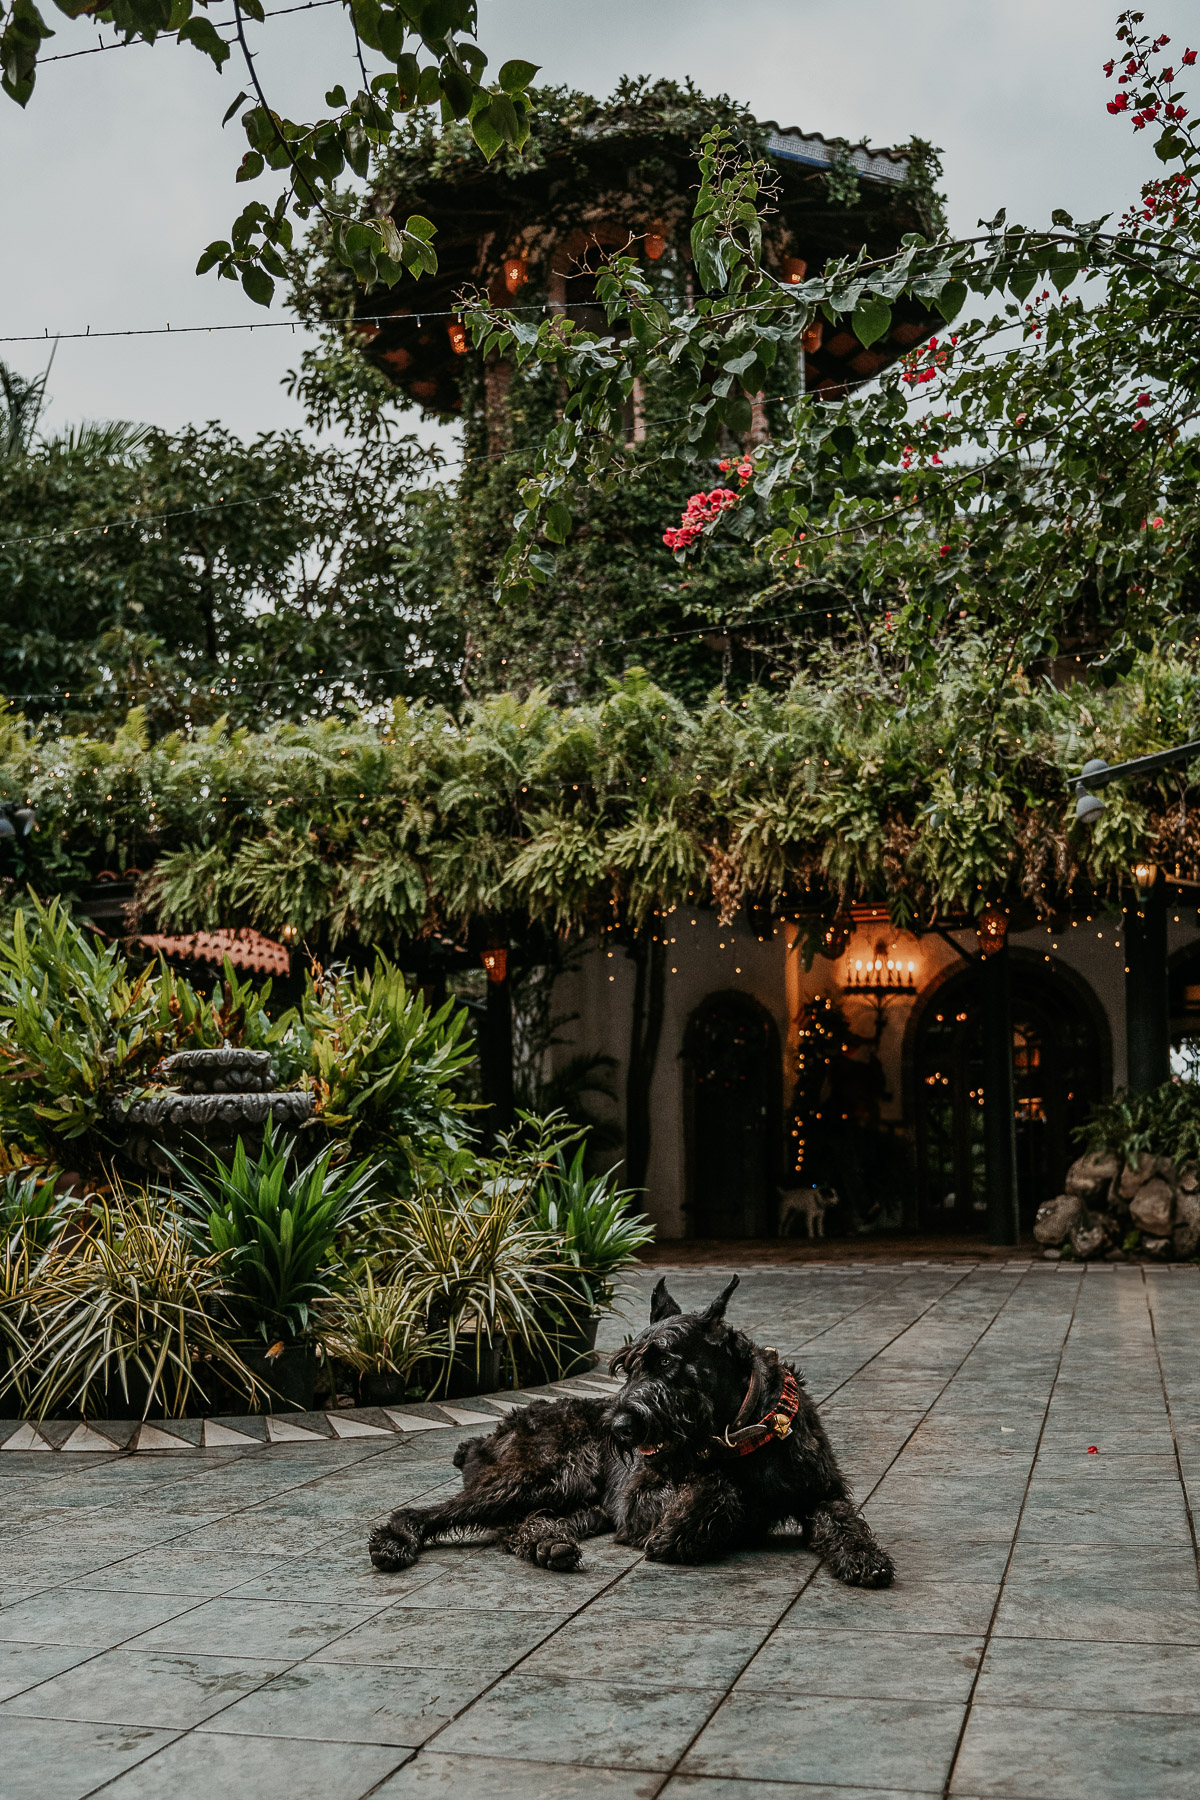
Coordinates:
(598, 1235)
(275, 1229)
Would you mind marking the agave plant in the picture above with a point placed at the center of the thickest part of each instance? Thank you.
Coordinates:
(127, 1314)
(274, 1228)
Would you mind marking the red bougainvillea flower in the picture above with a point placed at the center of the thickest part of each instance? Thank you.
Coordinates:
(1119, 104)
(1156, 524)
(945, 550)
(1142, 400)
(1139, 424)
(1188, 57)
(1093, 1450)
(1109, 66)
(1167, 75)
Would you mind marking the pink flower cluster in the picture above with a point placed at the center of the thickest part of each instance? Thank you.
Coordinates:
(745, 469)
(700, 511)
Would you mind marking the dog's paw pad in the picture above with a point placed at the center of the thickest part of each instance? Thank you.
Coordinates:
(561, 1557)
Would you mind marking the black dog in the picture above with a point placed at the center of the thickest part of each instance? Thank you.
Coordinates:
(710, 1443)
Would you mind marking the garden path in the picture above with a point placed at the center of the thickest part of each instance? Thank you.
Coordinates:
(191, 1623)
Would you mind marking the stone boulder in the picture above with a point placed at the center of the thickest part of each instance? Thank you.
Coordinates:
(1186, 1235)
(1152, 1208)
(1159, 1247)
(1091, 1238)
(1189, 1181)
(1091, 1176)
(1057, 1218)
(1134, 1175)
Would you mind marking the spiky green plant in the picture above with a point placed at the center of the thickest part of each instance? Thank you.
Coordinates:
(275, 1227)
(375, 1328)
(130, 1309)
(591, 1217)
(478, 1268)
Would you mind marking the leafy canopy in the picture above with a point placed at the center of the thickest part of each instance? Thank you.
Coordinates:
(429, 57)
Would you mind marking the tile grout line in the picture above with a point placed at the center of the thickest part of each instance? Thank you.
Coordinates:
(1012, 1545)
(952, 1288)
(1162, 1376)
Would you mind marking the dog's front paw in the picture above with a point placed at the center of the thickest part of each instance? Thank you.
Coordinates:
(394, 1546)
(869, 1567)
(561, 1554)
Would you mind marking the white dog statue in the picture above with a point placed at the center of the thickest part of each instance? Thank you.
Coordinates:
(810, 1204)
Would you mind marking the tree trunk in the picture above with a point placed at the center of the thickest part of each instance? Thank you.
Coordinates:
(650, 964)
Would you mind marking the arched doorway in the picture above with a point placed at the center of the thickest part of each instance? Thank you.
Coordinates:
(732, 1080)
(1061, 1058)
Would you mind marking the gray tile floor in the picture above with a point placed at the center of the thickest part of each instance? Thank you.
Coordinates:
(199, 1623)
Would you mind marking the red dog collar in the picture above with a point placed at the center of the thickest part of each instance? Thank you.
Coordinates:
(771, 1430)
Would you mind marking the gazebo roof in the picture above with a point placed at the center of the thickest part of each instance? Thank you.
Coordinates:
(604, 174)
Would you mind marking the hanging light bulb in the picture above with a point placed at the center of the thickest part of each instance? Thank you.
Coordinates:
(496, 964)
(992, 929)
(655, 240)
(516, 272)
(457, 333)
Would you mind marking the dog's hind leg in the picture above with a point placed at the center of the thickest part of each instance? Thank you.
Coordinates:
(492, 1505)
(845, 1540)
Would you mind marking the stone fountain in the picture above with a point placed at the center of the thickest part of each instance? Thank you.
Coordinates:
(219, 1096)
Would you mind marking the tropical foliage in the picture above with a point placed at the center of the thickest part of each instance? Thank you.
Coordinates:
(201, 577)
(1030, 472)
(81, 1034)
(610, 814)
(1163, 1122)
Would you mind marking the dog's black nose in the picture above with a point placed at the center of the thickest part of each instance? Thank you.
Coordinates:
(621, 1422)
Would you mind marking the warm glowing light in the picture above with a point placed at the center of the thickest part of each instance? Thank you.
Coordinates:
(290, 934)
(992, 928)
(655, 240)
(458, 338)
(811, 339)
(1145, 874)
(516, 273)
(794, 269)
(496, 964)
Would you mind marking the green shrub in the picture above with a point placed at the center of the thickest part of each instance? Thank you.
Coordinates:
(591, 1217)
(275, 1229)
(1165, 1121)
(385, 1066)
(126, 1313)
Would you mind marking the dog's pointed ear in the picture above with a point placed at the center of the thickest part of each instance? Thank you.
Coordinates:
(662, 1306)
(715, 1311)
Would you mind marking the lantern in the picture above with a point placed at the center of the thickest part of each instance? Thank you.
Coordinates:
(496, 964)
(794, 269)
(1145, 874)
(290, 935)
(516, 272)
(835, 937)
(655, 240)
(810, 342)
(457, 334)
(992, 927)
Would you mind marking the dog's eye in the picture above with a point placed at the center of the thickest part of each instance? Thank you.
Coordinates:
(667, 1362)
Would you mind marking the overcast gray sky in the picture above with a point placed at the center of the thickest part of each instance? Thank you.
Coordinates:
(117, 174)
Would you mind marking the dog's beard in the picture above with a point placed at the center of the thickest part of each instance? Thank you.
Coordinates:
(659, 1423)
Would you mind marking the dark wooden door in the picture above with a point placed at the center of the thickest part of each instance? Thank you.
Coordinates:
(1057, 1071)
(733, 1076)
